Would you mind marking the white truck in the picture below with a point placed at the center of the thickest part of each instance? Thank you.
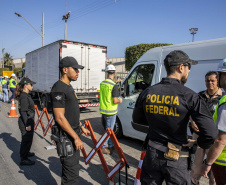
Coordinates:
(149, 70)
(42, 66)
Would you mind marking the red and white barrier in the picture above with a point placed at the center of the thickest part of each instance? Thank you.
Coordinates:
(97, 144)
(97, 149)
(40, 115)
(89, 105)
(137, 179)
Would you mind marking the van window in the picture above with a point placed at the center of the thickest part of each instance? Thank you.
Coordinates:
(140, 79)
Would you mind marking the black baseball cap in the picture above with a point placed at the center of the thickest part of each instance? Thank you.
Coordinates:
(178, 57)
(70, 62)
(26, 80)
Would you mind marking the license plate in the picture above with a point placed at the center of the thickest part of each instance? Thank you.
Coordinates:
(84, 101)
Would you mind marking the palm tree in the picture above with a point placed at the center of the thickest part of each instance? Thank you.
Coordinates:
(8, 60)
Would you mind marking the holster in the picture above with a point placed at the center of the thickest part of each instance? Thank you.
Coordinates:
(62, 142)
(172, 152)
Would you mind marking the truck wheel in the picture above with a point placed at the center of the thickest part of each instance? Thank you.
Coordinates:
(44, 102)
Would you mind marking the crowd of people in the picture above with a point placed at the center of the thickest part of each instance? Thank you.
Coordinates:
(168, 149)
(8, 84)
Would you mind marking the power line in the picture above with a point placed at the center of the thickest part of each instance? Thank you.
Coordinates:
(85, 10)
(92, 7)
(23, 42)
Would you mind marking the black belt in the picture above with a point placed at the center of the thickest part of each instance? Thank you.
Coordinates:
(164, 148)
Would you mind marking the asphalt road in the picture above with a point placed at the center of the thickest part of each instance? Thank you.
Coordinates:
(47, 170)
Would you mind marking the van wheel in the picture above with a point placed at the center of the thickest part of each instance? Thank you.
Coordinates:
(117, 128)
(44, 102)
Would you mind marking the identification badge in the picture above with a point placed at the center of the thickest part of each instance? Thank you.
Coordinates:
(173, 152)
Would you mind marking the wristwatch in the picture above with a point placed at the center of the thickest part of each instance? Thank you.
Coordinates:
(207, 163)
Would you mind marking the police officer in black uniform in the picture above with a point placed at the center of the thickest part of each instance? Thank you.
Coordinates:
(166, 107)
(26, 119)
(67, 114)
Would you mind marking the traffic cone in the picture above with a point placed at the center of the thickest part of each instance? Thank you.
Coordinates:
(137, 179)
(13, 113)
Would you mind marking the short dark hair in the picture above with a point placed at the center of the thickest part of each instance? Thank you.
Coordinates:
(61, 70)
(170, 69)
(212, 73)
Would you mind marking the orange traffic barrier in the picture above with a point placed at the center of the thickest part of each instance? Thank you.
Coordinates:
(13, 113)
(137, 179)
(97, 144)
(40, 115)
(96, 149)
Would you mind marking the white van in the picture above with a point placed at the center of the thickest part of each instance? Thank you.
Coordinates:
(149, 70)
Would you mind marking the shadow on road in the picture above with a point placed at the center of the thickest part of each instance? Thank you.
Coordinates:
(38, 173)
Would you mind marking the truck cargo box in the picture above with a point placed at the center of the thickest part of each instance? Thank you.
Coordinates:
(42, 66)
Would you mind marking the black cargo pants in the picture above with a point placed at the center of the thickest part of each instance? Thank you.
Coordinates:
(156, 169)
(27, 138)
(70, 168)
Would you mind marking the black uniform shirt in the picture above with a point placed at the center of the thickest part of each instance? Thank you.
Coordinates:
(211, 101)
(26, 108)
(167, 106)
(63, 96)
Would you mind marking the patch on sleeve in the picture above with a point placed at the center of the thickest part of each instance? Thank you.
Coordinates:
(58, 97)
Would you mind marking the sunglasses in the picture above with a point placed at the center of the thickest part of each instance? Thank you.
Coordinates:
(30, 84)
(188, 64)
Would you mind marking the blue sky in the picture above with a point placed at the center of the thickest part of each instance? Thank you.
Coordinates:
(115, 25)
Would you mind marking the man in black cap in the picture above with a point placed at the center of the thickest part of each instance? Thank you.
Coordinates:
(167, 107)
(66, 114)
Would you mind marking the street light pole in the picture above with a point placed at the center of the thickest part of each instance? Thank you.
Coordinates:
(193, 32)
(42, 29)
(42, 35)
(65, 17)
(3, 57)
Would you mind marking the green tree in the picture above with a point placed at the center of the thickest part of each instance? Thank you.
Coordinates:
(8, 59)
(133, 53)
(23, 65)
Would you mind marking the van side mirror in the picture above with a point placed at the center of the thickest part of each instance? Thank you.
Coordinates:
(123, 89)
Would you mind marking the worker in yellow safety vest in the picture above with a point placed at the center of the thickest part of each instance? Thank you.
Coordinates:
(216, 157)
(5, 84)
(12, 86)
(109, 99)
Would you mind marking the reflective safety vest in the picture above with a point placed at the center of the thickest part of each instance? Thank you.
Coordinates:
(221, 160)
(4, 83)
(107, 106)
(11, 85)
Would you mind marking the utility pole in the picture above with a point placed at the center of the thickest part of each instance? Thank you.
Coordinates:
(42, 35)
(3, 57)
(42, 29)
(193, 32)
(65, 17)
